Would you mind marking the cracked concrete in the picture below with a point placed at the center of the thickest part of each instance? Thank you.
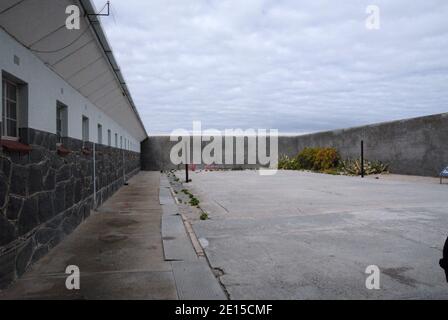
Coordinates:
(299, 235)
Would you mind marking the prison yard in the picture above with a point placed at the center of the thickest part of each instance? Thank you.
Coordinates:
(94, 206)
(304, 235)
(340, 217)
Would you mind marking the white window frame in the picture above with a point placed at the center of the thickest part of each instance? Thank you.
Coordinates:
(4, 111)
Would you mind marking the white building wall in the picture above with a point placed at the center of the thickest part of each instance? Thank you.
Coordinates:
(45, 88)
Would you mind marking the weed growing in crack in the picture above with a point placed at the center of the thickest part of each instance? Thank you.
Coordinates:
(194, 201)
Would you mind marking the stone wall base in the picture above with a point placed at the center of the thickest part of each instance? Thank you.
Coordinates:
(44, 196)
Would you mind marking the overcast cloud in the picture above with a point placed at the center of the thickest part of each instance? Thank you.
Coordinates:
(296, 66)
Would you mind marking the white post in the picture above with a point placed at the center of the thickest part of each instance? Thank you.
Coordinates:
(94, 176)
(124, 170)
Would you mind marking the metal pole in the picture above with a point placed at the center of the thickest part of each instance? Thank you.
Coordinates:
(186, 164)
(124, 169)
(94, 175)
(362, 158)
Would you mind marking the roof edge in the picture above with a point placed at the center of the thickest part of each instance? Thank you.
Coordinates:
(95, 24)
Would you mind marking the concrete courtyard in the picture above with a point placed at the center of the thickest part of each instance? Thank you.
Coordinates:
(299, 235)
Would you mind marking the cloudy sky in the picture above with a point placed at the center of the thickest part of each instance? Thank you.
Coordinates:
(296, 66)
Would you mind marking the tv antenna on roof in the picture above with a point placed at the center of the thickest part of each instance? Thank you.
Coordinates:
(100, 13)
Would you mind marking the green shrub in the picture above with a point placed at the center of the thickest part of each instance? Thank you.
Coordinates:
(353, 167)
(326, 159)
(287, 163)
(306, 158)
(194, 202)
(318, 159)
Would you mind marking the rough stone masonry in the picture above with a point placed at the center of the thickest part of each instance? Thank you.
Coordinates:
(45, 195)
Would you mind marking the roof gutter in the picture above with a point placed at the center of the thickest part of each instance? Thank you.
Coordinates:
(95, 24)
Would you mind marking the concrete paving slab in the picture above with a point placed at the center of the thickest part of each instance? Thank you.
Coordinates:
(193, 276)
(178, 250)
(170, 209)
(164, 182)
(176, 243)
(165, 196)
(172, 226)
(195, 281)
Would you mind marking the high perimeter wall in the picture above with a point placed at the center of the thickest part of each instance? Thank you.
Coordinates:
(417, 146)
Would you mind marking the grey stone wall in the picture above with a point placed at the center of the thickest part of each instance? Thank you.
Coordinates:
(155, 154)
(417, 146)
(45, 196)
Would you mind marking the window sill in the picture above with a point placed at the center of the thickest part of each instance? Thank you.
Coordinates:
(10, 138)
(14, 146)
(62, 151)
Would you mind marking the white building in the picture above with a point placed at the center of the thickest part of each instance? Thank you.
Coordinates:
(46, 67)
(70, 132)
